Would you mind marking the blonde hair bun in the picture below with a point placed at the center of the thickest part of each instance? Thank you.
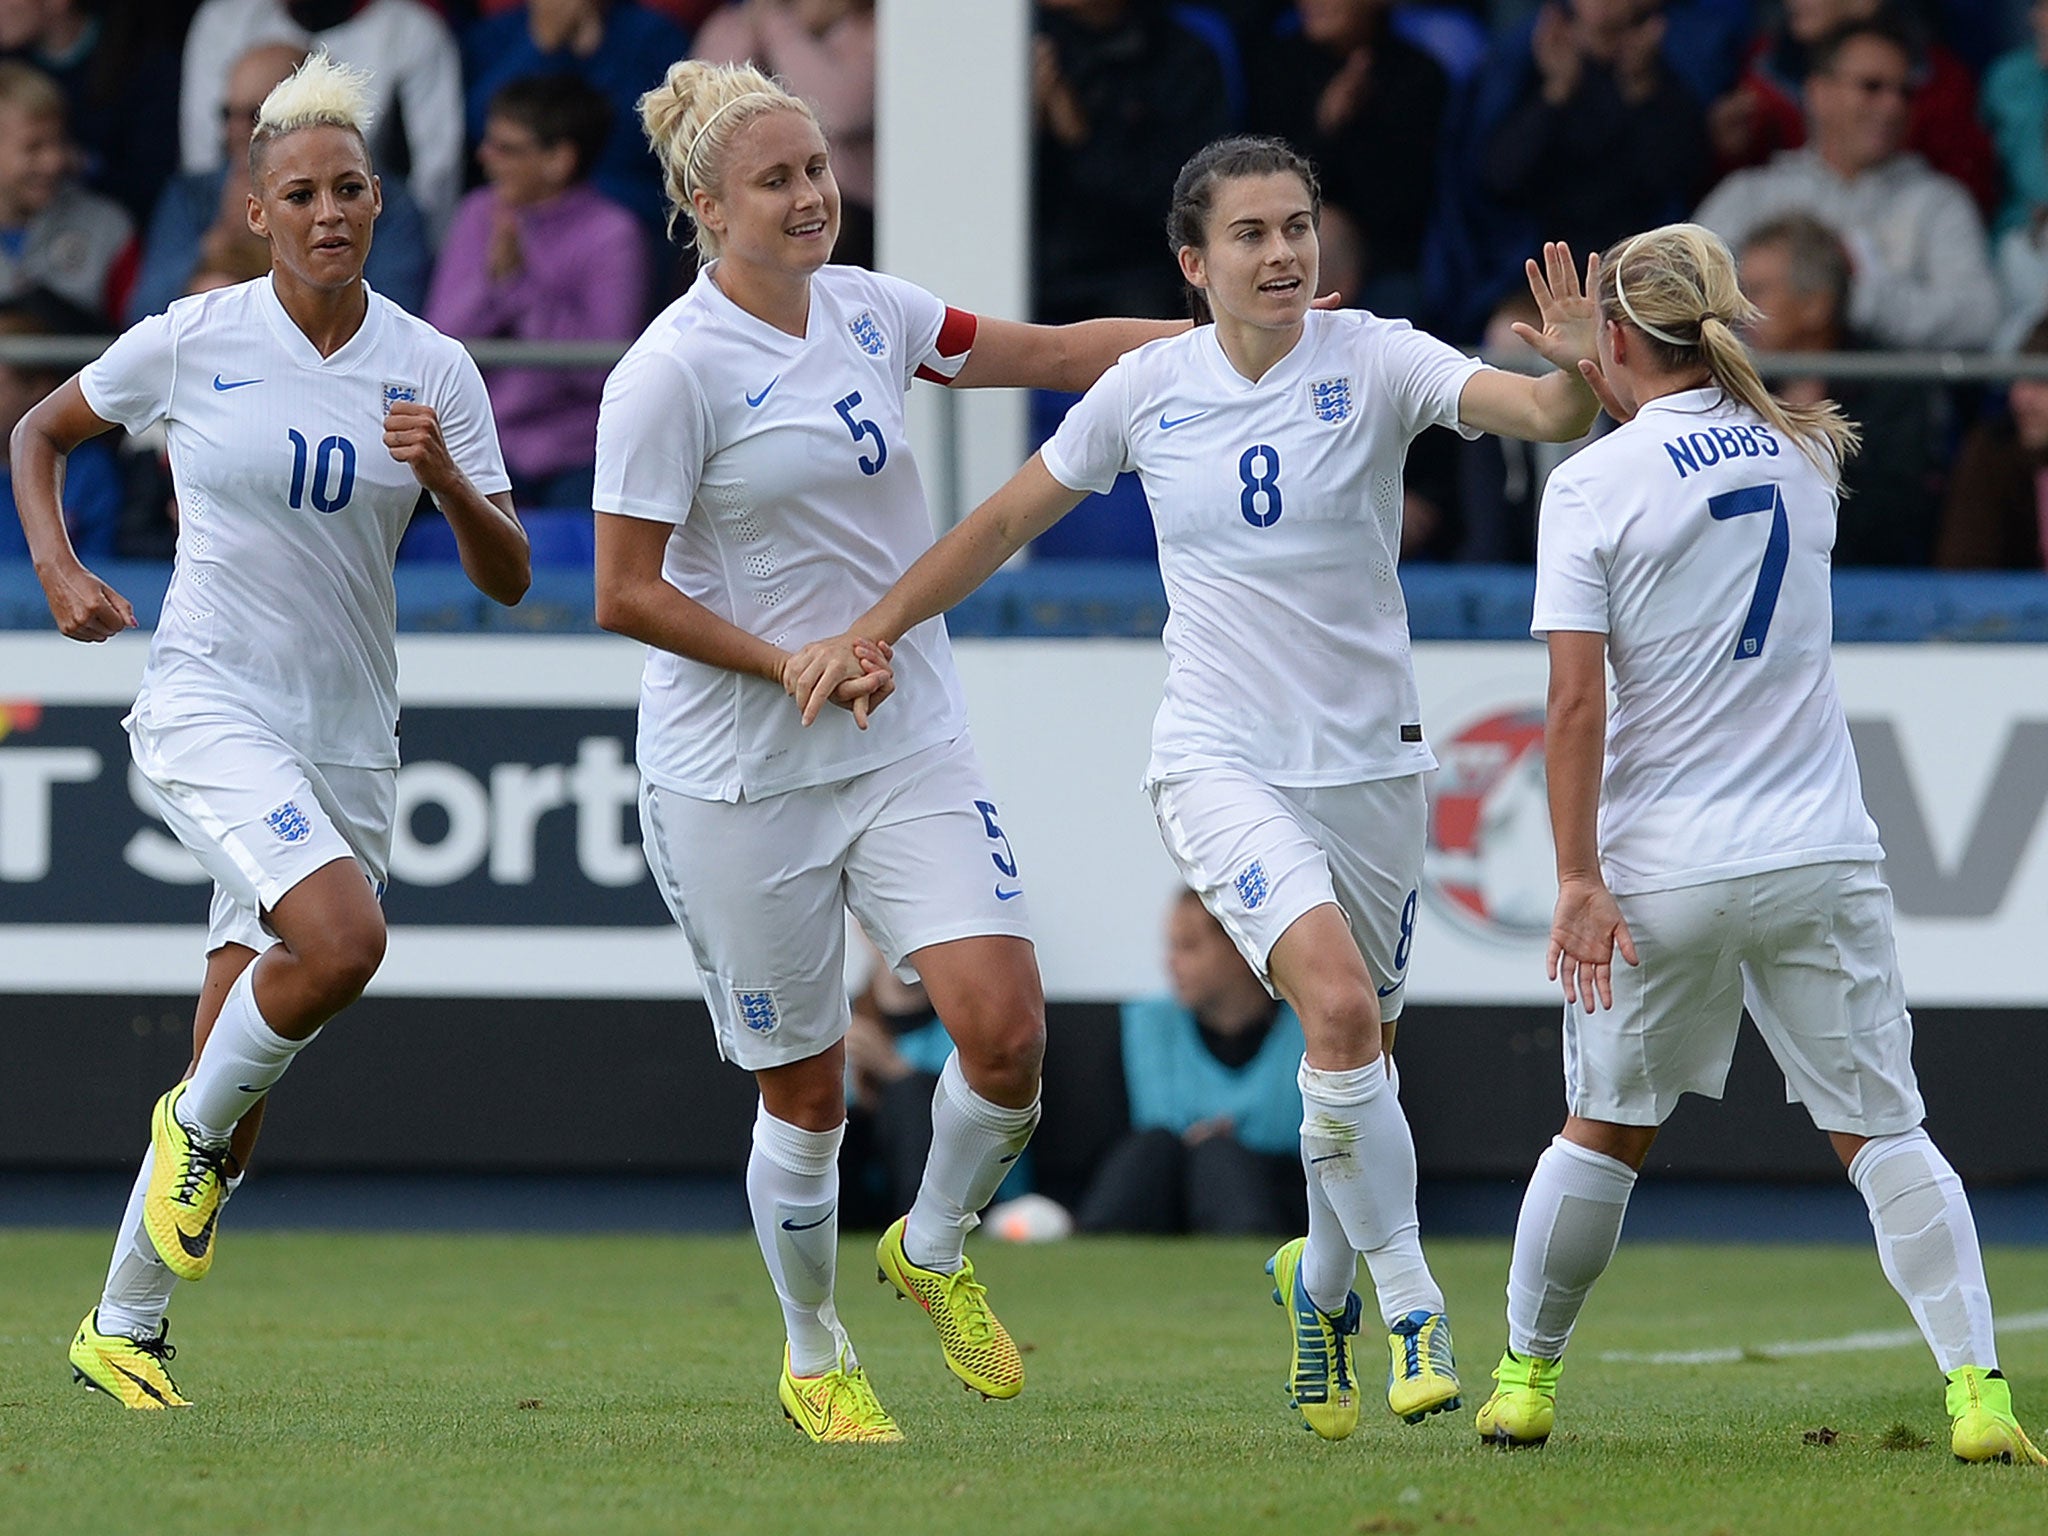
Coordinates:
(690, 119)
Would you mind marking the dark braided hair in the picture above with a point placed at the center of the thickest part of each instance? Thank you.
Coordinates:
(1231, 159)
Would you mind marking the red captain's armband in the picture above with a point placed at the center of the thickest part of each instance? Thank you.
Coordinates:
(949, 352)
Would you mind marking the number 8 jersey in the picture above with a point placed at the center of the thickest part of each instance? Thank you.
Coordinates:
(1278, 509)
(1697, 539)
(281, 608)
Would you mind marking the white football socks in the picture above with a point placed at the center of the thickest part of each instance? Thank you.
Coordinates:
(1360, 1161)
(243, 1057)
(974, 1143)
(139, 1284)
(793, 1190)
(1567, 1233)
(1927, 1242)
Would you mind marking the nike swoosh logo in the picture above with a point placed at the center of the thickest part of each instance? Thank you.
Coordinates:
(224, 386)
(1388, 991)
(805, 1226)
(1328, 1157)
(1178, 421)
(814, 1421)
(1003, 895)
(1011, 1158)
(245, 1088)
(152, 1391)
(196, 1243)
(755, 400)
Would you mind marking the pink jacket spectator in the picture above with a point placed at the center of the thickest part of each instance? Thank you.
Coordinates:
(833, 70)
(584, 279)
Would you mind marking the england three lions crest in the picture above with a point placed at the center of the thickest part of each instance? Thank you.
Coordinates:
(868, 334)
(399, 394)
(1331, 398)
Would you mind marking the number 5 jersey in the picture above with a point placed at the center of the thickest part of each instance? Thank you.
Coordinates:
(1697, 539)
(281, 609)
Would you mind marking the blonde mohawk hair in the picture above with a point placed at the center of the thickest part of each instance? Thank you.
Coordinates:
(319, 93)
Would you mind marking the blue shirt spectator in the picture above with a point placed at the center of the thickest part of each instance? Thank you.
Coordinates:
(1176, 1082)
(621, 48)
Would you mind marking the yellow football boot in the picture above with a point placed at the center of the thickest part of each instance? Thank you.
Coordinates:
(1319, 1379)
(1980, 1402)
(129, 1370)
(1523, 1408)
(1422, 1376)
(977, 1347)
(182, 1205)
(837, 1408)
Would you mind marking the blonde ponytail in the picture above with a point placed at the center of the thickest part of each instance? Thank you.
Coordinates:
(690, 120)
(1677, 287)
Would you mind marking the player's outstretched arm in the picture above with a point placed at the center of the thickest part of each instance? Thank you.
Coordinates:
(1009, 353)
(488, 537)
(1559, 406)
(1031, 502)
(1587, 927)
(84, 607)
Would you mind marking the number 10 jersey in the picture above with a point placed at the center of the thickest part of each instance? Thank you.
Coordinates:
(281, 609)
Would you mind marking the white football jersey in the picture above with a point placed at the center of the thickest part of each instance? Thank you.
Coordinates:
(783, 464)
(281, 608)
(1278, 508)
(1698, 540)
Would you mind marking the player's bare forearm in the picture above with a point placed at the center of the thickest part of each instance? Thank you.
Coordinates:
(84, 607)
(1565, 406)
(1031, 502)
(635, 600)
(1008, 353)
(493, 546)
(1574, 746)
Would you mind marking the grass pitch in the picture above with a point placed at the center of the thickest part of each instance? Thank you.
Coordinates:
(347, 1383)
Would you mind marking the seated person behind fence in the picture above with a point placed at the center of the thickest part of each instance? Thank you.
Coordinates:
(1996, 515)
(1215, 1142)
(1797, 271)
(53, 233)
(92, 480)
(895, 1050)
(199, 235)
(541, 255)
(1922, 275)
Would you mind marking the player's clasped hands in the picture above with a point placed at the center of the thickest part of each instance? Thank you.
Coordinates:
(848, 670)
(1585, 931)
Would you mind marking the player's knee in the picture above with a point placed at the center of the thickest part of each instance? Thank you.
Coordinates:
(1343, 1020)
(344, 958)
(1002, 1051)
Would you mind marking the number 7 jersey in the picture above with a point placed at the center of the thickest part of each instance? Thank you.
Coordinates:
(1697, 538)
(281, 608)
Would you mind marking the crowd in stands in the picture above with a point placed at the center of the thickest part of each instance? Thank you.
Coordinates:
(1880, 166)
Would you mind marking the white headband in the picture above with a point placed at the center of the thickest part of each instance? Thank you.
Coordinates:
(1621, 298)
(690, 154)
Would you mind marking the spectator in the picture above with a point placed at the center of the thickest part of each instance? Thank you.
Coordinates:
(1368, 108)
(1797, 271)
(53, 233)
(687, 14)
(1215, 1143)
(1599, 140)
(2015, 107)
(1922, 274)
(540, 255)
(117, 66)
(416, 75)
(825, 51)
(1996, 515)
(621, 48)
(199, 235)
(895, 1050)
(92, 481)
(1123, 94)
(1761, 116)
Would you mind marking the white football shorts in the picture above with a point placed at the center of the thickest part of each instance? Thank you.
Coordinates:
(915, 849)
(260, 817)
(1260, 855)
(1807, 950)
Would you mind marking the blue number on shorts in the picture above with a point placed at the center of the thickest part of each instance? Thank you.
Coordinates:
(1257, 483)
(1407, 933)
(863, 428)
(326, 498)
(1005, 862)
(1770, 576)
